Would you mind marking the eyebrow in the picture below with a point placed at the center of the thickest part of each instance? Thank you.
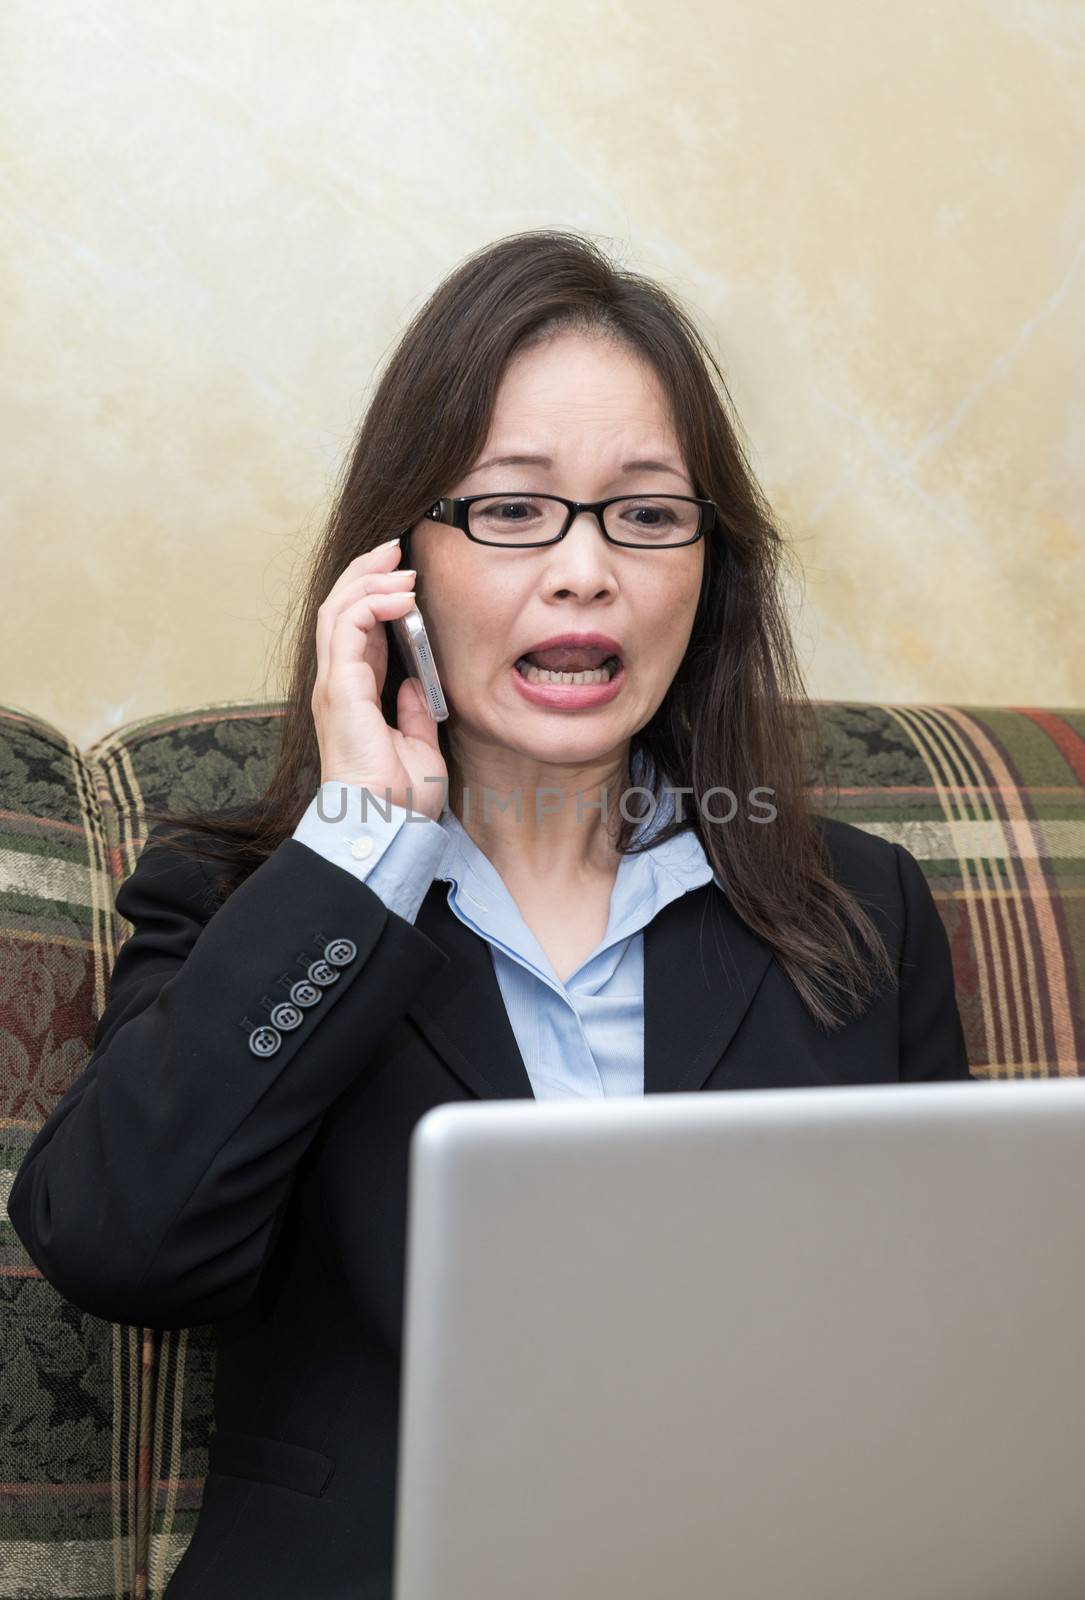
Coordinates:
(547, 462)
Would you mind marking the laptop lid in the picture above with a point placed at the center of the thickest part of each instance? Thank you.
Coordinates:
(760, 1344)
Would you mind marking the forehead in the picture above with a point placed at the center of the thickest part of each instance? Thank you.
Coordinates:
(576, 396)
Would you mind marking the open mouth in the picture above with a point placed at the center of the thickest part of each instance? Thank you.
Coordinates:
(600, 674)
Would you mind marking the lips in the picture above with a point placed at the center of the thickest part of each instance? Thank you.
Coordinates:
(571, 652)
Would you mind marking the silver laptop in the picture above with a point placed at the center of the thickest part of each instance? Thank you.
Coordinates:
(802, 1344)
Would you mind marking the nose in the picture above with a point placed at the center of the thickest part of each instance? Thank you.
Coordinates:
(582, 562)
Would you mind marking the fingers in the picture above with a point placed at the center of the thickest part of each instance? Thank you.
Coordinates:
(373, 571)
(352, 657)
(343, 601)
(382, 558)
(379, 563)
(351, 642)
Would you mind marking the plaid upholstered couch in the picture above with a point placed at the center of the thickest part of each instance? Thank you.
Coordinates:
(104, 1428)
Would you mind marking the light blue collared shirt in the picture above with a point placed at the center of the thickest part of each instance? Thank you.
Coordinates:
(583, 1037)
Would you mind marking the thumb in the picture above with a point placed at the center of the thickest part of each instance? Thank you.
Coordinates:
(412, 714)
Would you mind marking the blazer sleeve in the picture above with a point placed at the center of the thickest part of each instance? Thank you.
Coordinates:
(931, 1035)
(405, 849)
(154, 1190)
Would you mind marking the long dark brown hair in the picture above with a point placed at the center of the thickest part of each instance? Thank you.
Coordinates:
(735, 716)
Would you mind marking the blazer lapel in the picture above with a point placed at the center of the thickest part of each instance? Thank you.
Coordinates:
(462, 1013)
(702, 968)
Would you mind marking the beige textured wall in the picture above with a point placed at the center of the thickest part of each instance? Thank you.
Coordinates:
(215, 218)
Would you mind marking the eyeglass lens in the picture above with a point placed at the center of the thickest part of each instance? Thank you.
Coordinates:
(657, 519)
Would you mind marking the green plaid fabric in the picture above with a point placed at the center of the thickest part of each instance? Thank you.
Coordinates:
(104, 1429)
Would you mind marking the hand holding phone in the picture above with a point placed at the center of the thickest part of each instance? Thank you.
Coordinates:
(357, 746)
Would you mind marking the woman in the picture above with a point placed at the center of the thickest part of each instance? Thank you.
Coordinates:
(610, 882)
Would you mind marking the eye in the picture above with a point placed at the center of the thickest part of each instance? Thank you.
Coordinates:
(496, 509)
(653, 511)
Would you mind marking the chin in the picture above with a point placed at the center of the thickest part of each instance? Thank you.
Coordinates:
(562, 750)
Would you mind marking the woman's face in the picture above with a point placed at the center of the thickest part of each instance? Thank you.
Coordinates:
(589, 408)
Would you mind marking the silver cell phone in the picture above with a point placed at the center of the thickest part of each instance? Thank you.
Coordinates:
(418, 660)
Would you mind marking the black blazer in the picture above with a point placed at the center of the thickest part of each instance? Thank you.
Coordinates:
(185, 1179)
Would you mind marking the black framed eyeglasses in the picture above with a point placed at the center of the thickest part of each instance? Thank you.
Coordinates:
(523, 520)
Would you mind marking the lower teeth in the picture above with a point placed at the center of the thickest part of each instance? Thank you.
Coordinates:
(544, 675)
